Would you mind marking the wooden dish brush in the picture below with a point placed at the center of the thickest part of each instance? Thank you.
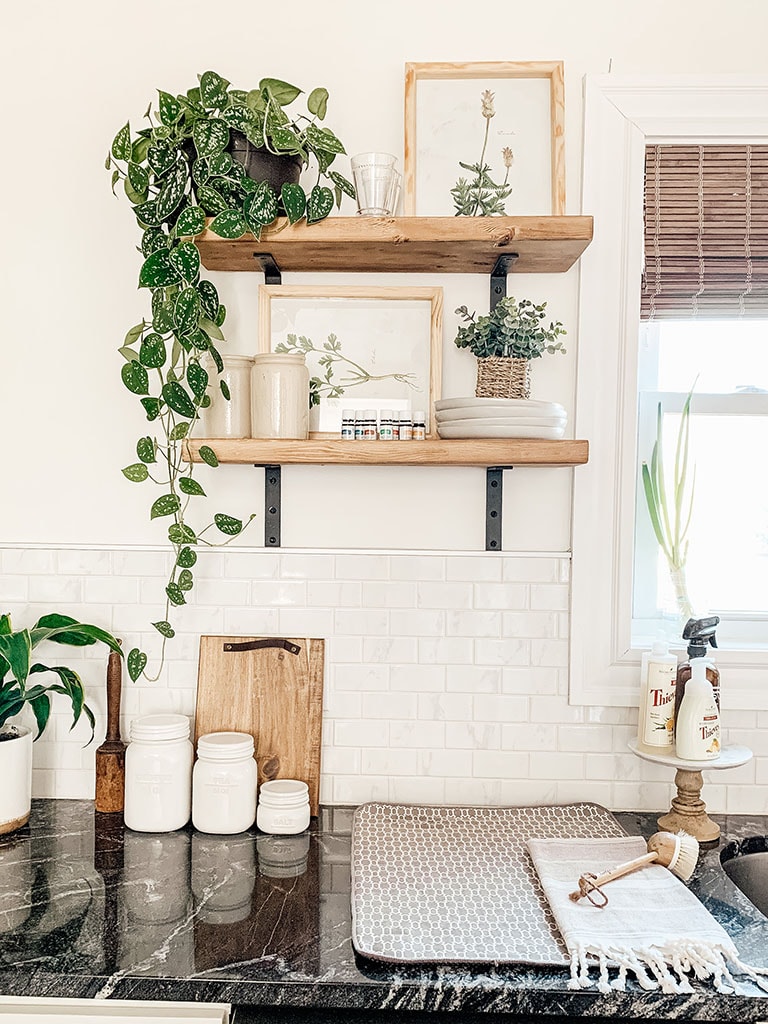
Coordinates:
(678, 853)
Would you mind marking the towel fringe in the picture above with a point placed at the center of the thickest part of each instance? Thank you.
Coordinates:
(662, 967)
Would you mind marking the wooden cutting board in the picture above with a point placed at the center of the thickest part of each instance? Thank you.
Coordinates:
(272, 688)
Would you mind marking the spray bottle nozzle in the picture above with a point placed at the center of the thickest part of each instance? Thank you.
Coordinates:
(700, 633)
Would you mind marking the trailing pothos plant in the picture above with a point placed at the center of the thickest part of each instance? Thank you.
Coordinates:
(176, 173)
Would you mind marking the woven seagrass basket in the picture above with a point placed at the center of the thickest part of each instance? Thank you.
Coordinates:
(503, 377)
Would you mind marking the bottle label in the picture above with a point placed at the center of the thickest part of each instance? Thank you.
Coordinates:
(658, 729)
(710, 732)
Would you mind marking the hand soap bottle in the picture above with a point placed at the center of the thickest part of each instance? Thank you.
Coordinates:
(699, 633)
(697, 730)
(655, 723)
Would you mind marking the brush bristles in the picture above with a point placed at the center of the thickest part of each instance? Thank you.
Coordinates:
(685, 856)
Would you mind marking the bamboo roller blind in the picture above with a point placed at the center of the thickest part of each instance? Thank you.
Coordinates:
(706, 232)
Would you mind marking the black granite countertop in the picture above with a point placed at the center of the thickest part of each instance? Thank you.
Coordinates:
(263, 923)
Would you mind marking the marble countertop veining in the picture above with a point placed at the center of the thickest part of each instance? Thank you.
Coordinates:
(264, 921)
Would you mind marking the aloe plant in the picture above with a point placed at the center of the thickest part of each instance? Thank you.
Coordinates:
(17, 665)
(670, 504)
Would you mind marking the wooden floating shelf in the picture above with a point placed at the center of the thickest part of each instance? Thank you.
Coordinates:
(480, 452)
(435, 245)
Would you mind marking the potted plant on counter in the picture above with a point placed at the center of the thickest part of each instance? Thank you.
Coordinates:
(16, 668)
(229, 160)
(505, 341)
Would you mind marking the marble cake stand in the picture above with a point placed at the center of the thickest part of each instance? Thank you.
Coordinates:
(688, 811)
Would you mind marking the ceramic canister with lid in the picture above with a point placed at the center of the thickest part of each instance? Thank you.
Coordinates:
(280, 396)
(283, 807)
(224, 783)
(158, 774)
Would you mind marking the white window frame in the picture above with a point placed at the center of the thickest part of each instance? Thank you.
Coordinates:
(622, 116)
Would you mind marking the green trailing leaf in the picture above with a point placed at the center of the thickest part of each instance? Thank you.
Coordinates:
(138, 177)
(151, 407)
(191, 222)
(165, 505)
(158, 271)
(210, 136)
(224, 387)
(209, 298)
(146, 450)
(227, 524)
(165, 629)
(136, 663)
(152, 240)
(186, 558)
(175, 594)
(179, 432)
(135, 378)
(212, 201)
(170, 108)
(282, 92)
(172, 192)
(189, 486)
(128, 353)
(208, 455)
(228, 224)
(213, 90)
(16, 649)
(324, 139)
(197, 378)
(136, 473)
(221, 164)
(284, 140)
(200, 171)
(294, 201)
(186, 580)
(147, 215)
(211, 330)
(181, 534)
(134, 334)
(319, 204)
(161, 157)
(121, 144)
(152, 352)
(317, 103)
(341, 181)
(260, 207)
(177, 399)
(186, 311)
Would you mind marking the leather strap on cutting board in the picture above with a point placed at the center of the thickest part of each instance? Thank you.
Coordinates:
(272, 688)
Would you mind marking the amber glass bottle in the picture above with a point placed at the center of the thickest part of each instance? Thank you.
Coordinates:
(700, 634)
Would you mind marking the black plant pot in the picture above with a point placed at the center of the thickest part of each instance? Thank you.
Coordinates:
(261, 165)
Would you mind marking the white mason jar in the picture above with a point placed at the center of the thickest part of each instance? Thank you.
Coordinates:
(230, 418)
(280, 396)
(224, 783)
(158, 774)
(283, 807)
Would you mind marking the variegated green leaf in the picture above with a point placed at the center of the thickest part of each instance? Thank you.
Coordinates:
(187, 558)
(319, 204)
(210, 136)
(177, 399)
(165, 629)
(189, 486)
(152, 351)
(186, 311)
(136, 473)
(281, 91)
(191, 221)
(161, 157)
(208, 455)
(175, 594)
(186, 259)
(294, 201)
(228, 224)
(197, 378)
(121, 144)
(324, 139)
(145, 449)
(227, 524)
(158, 271)
(213, 202)
(172, 191)
(170, 108)
(178, 534)
(136, 663)
(165, 505)
(317, 102)
(213, 90)
(343, 184)
(135, 378)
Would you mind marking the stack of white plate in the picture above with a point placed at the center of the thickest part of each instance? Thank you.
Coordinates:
(499, 417)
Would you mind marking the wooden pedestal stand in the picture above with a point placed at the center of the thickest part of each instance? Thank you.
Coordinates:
(688, 811)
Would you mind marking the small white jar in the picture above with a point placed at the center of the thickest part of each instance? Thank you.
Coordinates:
(280, 396)
(224, 784)
(230, 418)
(158, 774)
(283, 807)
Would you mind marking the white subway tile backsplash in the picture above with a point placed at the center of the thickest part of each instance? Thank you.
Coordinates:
(446, 674)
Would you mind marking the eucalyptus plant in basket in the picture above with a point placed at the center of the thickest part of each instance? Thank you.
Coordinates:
(177, 172)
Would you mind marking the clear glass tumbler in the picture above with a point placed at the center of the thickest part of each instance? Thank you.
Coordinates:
(377, 184)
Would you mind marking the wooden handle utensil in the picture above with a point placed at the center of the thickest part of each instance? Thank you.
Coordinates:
(110, 757)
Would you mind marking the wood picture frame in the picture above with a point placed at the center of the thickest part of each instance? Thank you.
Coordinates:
(485, 72)
(415, 342)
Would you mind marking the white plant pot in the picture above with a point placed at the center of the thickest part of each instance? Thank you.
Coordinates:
(16, 773)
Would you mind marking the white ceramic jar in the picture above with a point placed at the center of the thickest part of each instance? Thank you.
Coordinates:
(16, 773)
(230, 418)
(283, 807)
(158, 774)
(224, 783)
(280, 396)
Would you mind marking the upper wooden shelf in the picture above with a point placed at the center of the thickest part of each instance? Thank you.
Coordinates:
(437, 245)
(480, 452)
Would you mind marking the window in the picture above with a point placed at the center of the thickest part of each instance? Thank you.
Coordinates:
(619, 585)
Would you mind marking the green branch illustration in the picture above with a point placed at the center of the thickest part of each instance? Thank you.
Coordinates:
(481, 196)
(330, 355)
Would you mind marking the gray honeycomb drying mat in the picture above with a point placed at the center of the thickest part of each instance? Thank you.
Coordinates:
(456, 884)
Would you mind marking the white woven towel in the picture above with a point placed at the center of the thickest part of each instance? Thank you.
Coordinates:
(652, 926)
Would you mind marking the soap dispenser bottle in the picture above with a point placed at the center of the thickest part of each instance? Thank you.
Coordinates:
(697, 729)
(655, 723)
(699, 634)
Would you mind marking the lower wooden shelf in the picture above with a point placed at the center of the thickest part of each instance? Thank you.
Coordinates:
(480, 452)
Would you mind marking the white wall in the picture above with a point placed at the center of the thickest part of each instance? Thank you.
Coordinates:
(71, 75)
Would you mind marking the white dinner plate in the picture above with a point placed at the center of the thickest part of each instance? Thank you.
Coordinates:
(529, 418)
(535, 407)
(465, 429)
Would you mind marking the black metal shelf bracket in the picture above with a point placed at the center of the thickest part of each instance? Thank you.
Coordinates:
(494, 494)
(272, 273)
(499, 277)
(271, 506)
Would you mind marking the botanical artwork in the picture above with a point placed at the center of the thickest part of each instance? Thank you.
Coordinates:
(483, 147)
(480, 196)
(362, 351)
